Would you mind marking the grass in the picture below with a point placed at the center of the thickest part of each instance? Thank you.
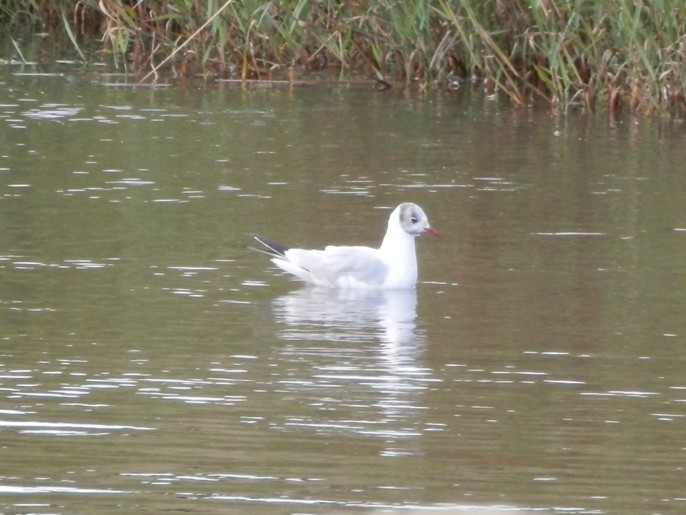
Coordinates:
(615, 55)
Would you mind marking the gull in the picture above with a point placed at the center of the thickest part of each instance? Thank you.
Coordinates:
(390, 267)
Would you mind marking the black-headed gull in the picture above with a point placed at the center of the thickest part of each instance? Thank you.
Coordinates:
(391, 266)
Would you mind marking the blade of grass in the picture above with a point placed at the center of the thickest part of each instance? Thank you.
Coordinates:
(186, 42)
(69, 32)
(16, 47)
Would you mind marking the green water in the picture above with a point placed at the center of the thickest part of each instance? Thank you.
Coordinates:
(149, 362)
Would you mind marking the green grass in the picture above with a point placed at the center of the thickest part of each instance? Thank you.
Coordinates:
(616, 55)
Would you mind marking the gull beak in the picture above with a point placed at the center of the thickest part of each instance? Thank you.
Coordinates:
(432, 232)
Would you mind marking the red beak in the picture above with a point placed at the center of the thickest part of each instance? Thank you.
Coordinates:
(432, 232)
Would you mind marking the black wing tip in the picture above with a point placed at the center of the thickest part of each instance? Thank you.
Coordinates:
(273, 248)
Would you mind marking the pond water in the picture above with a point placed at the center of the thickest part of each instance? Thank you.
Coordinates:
(149, 362)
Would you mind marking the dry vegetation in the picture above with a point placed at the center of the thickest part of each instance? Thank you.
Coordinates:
(613, 55)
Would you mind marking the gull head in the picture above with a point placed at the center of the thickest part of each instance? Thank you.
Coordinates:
(413, 220)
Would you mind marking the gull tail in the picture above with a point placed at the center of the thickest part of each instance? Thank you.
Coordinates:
(273, 249)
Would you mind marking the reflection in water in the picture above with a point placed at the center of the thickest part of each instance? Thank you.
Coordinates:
(363, 352)
(350, 315)
(457, 510)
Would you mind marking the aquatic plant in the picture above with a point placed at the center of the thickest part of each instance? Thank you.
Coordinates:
(613, 55)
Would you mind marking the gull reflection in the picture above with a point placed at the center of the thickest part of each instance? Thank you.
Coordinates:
(359, 352)
(349, 315)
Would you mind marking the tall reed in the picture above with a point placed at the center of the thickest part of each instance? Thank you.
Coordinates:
(585, 54)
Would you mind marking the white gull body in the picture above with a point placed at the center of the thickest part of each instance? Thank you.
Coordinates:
(392, 266)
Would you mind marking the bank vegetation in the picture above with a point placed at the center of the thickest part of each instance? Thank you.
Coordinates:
(614, 55)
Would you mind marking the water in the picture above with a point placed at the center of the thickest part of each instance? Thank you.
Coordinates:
(150, 363)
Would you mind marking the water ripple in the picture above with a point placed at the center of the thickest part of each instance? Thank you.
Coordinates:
(68, 428)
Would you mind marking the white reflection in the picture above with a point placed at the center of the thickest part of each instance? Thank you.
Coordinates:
(359, 352)
(18, 489)
(459, 509)
(349, 315)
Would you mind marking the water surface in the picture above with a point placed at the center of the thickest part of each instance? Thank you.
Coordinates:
(149, 362)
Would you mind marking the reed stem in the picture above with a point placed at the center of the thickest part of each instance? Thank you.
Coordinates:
(574, 54)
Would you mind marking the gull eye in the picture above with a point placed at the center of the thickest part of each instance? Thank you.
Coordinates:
(413, 219)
